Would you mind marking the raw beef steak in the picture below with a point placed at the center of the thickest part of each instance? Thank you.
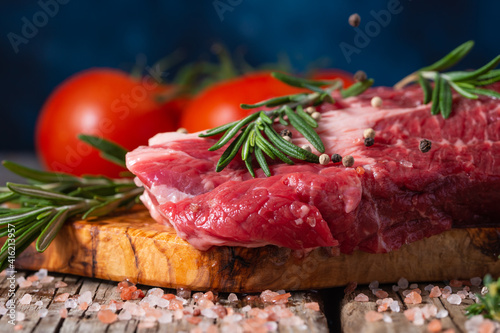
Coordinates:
(394, 194)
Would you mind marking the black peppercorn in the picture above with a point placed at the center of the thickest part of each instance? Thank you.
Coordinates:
(369, 142)
(425, 145)
(360, 76)
(286, 132)
(336, 158)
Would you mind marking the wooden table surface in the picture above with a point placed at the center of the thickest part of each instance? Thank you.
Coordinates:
(338, 312)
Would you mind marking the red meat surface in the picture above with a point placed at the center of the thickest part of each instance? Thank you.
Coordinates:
(402, 196)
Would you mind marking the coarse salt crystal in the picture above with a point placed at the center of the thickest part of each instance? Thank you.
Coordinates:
(47, 279)
(434, 326)
(107, 316)
(38, 303)
(3, 310)
(20, 316)
(429, 287)
(42, 273)
(26, 299)
(373, 316)
(165, 318)
(387, 318)
(70, 303)
(361, 298)
(395, 288)
(455, 283)
(246, 308)
(435, 292)
(476, 281)
(394, 306)
(85, 297)
(413, 298)
(473, 323)
(60, 284)
(157, 292)
(373, 284)
(232, 297)
(61, 297)
(312, 306)
(375, 290)
(25, 284)
(209, 313)
(43, 312)
(442, 314)
(94, 307)
(125, 315)
(403, 283)
(381, 294)
(413, 285)
(63, 312)
(454, 299)
(462, 294)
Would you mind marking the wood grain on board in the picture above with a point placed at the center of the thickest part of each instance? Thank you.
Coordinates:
(133, 246)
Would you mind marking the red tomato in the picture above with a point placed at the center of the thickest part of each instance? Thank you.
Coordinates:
(332, 74)
(103, 102)
(220, 103)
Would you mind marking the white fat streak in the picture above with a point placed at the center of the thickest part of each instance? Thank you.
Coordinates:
(163, 138)
(163, 194)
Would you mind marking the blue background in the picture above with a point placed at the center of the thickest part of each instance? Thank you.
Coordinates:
(91, 33)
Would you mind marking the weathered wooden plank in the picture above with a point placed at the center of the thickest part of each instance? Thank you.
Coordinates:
(353, 313)
(134, 246)
(105, 291)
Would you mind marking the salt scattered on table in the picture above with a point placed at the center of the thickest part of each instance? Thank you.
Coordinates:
(85, 297)
(394, 306)
(373, 284)
(41, 273)
(361, 298)
(454, 299)
(20, 316)
(61, 284)
(387, 318)
(232, 297)
(39, 303)
(26, 299)
(94, 307)
(442, 314)
(43, 312)
(47, 279)
(429, 287)
(403, 283)
(413, 286)
(125, 315)
(476, 281)
(70, 303)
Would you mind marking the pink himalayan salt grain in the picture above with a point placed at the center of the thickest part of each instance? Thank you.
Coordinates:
(462, 294)
(18, 327)
(47, 279)
(83, 306)
(25, 284)
(312, 306)
(146, 324)
(445, 292)
(435, 292)
(267, 296)
(434, 326)
(26, 299)
(383, 304)
(381, 294)
(413, 298)
(32, 278)
(209, 296)
(351, 286)
(281, 299)
(63, 312)
(456, 283)
(61, 297)
(487, 326)
(219, 310)
(176, 304)
(60, 284)
(107, 316)
(373, 316)
(361, 298)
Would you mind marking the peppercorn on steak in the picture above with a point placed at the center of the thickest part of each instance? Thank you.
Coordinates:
(421, 175)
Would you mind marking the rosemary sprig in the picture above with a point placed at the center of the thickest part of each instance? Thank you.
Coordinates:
(50, 199)
(466, 83)
(255, 135)
(489, 304)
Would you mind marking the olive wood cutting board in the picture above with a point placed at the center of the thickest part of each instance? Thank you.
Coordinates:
(133, 246)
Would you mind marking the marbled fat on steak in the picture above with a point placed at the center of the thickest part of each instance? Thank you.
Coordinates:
(403, 195)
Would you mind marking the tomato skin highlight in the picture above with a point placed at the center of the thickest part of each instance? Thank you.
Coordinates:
(102, 102)
(219, 104)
